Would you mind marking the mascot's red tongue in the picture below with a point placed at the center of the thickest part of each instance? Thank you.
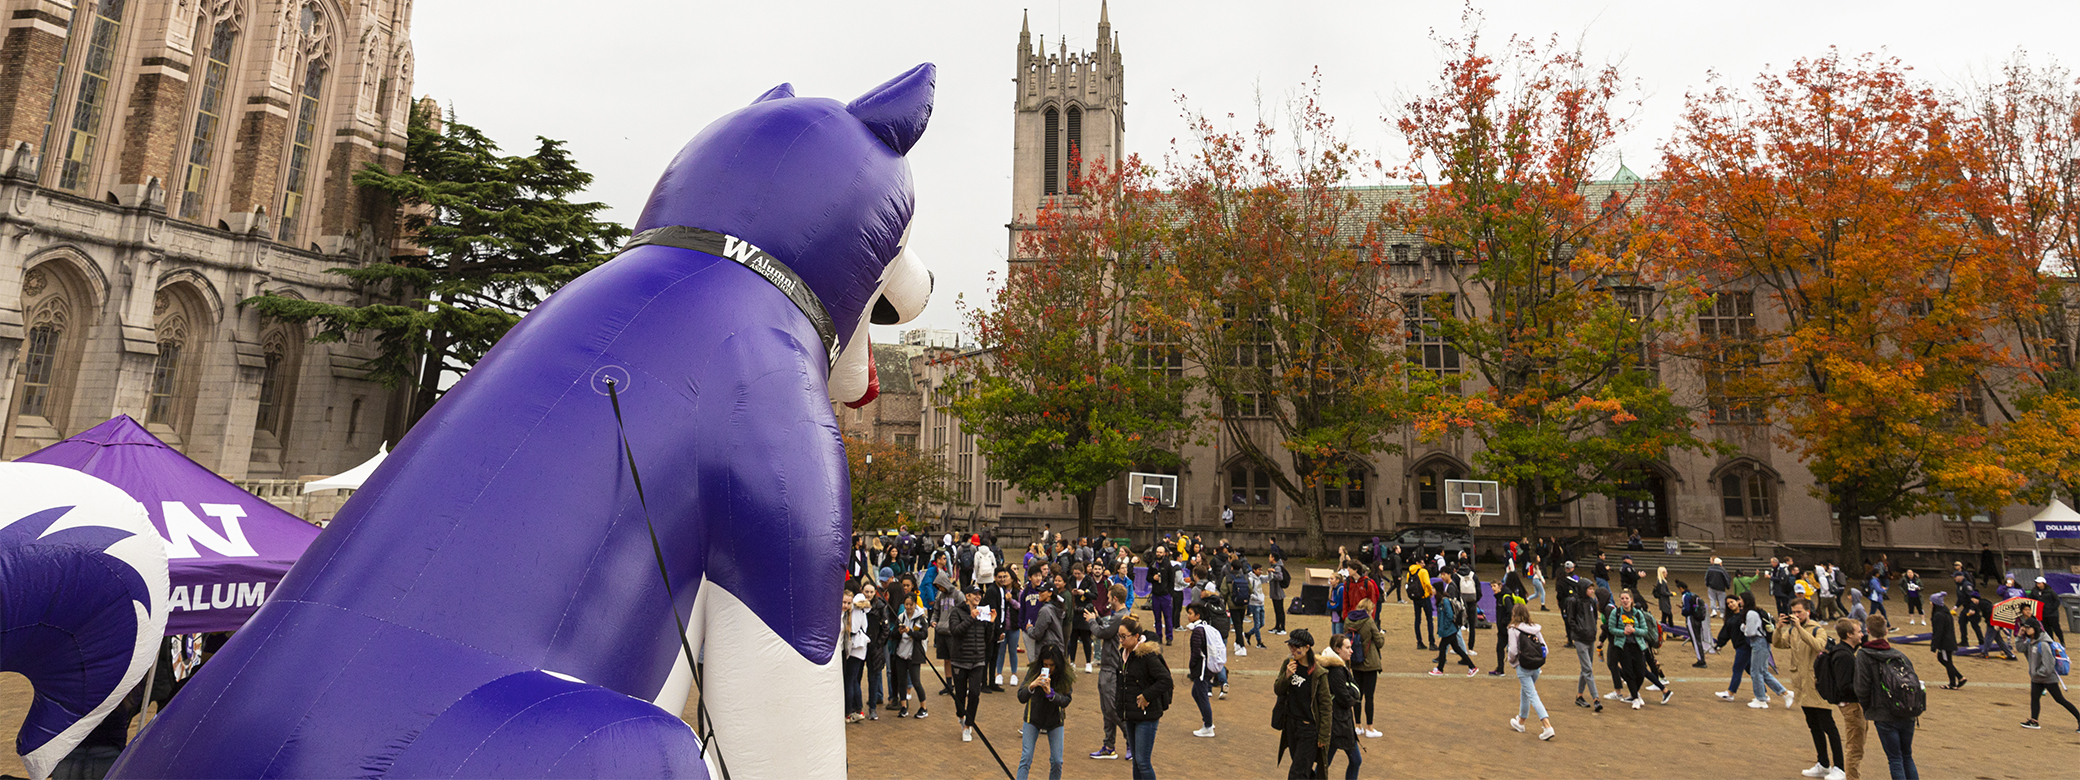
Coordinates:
(873, 386)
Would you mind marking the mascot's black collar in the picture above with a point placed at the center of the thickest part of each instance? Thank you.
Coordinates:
(732, 248)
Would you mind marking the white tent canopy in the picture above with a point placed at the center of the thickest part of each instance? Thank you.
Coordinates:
(2057, 512)
(351, 479)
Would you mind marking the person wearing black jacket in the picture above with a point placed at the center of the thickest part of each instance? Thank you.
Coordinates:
(1002, 598)
(1943, 639)
(971, 636)
(1391, 573)
(1343, 692)
(1162, 591)
(1046, 698)
(879, 617)
(2043, 594)
(1143, 694)
(1579, 615)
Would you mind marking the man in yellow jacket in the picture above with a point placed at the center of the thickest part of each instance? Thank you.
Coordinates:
(1424, 597)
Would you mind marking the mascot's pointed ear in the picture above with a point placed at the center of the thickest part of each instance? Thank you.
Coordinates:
(785, 90)
(898, 110)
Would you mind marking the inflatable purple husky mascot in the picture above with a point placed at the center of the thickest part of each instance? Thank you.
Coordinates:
(490, 604)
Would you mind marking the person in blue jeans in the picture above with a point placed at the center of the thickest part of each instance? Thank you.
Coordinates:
(1143, 694)
(1895, 726)
(1045, 697)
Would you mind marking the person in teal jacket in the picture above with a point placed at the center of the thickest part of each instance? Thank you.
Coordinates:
(1628, 626)
(1449, 639)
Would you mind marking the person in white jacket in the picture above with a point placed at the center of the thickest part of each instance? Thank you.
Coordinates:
(1523, 631)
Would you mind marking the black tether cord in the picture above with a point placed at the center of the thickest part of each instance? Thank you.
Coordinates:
(703, 726)
(978, 726)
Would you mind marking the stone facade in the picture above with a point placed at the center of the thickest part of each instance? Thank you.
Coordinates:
(1758, 498)
(197, 153)
(897, 411)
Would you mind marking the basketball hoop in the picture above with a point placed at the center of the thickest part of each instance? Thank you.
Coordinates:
(1472, 498)
(1148, 504)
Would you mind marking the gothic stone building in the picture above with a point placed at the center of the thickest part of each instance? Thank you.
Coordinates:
(1758, 498)
(164, 160)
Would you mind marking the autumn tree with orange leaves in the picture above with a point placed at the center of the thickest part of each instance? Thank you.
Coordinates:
(1831, 210)
(1076, 387)
(1274, 294)
(1550, 303)
(2030, 119)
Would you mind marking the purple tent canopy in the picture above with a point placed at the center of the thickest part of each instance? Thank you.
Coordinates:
(225, 548)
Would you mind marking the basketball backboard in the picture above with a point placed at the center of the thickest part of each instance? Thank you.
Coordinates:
(1472, 498)
(1164, 485)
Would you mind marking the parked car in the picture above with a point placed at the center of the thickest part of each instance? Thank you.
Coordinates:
(1449, 540)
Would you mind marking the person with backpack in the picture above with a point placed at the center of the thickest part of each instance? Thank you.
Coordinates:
(1505, 597)
(1942, 639)
(1305, 711)
(1755, 629)
(1839, 688)
(2047, 662)
(1527, 652)
(1143, 694)
(1343, 699)
(1422, 597)
(1367, 640)
(1209, 657)
(1449, 637)
(1802, 641)
(1891, 695)
(1628, 626)
(1696, 620)
(1578, 615)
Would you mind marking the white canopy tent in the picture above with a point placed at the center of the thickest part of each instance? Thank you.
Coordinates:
(2056, 512)
(351, 479)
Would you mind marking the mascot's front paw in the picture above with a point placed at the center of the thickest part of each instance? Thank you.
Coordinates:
(541, 725)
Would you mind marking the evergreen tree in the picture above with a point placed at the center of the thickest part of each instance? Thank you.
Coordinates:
(499, 234)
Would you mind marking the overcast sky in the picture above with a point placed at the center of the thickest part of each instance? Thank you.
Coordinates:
(627, 82)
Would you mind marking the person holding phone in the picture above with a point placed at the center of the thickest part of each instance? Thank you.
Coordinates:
(1046, 700)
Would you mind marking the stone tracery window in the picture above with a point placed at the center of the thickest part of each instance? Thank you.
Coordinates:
(209, 110)
(302, 141)
(90, 104)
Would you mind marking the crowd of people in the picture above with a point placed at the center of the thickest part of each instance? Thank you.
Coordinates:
(1826, 650)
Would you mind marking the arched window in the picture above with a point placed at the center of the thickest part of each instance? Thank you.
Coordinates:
(300, 146)
(90, 103)
(181, 327)
(56, 308)
(1347, 491)
(209, 109)
(1050, 173)
(1430, 478)
(1744, 493)
(1075, 150)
